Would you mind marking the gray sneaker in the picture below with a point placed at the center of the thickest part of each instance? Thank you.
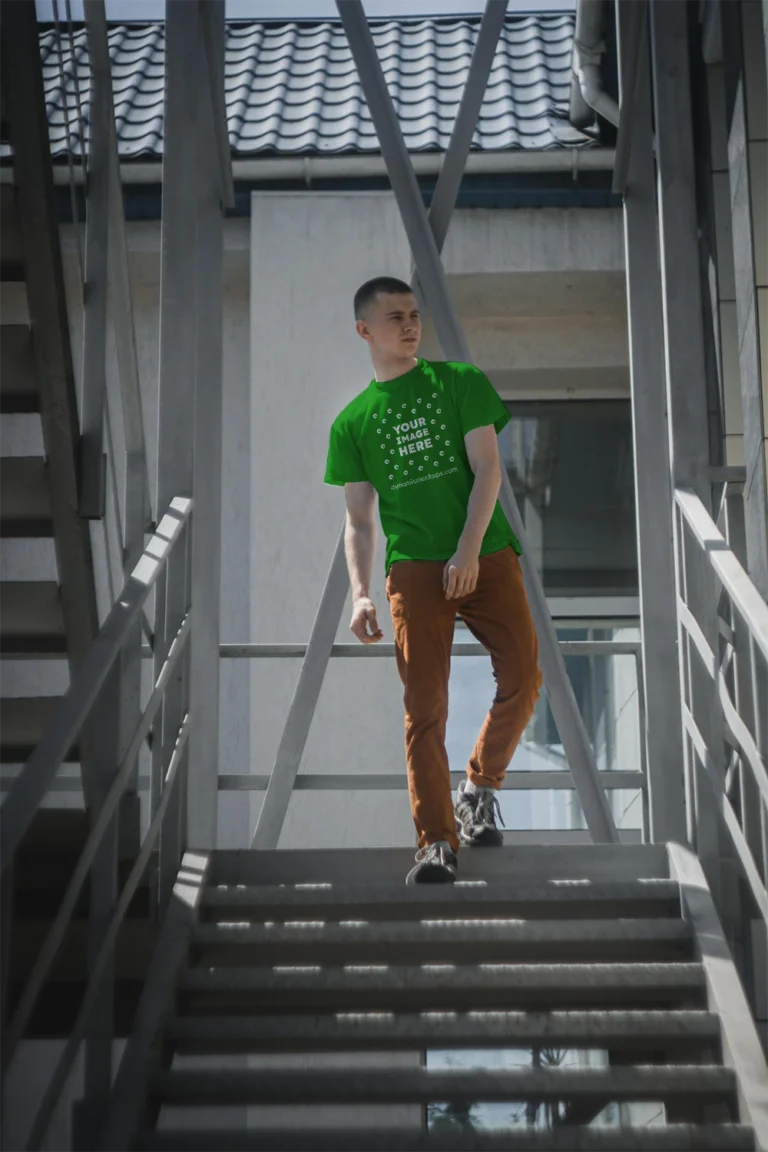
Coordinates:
(435, 864)
(476, 814)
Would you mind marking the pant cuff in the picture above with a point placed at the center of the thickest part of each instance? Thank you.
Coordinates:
(481, 781)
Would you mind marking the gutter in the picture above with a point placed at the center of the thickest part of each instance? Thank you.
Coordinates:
(587, 93)
(352, 166)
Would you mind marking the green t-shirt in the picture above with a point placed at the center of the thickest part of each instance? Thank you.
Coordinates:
(406, 437)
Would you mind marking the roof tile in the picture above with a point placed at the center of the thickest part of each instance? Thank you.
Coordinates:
(293, 87)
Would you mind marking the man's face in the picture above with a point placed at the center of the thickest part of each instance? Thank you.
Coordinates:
(392, 324)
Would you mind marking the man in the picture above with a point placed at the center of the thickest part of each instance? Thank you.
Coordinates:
(422, 436)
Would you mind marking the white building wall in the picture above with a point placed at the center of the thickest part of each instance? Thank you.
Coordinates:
(310, 252)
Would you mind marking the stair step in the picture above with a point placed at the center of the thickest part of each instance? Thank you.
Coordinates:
(23, 720)
(18, 383)
(451, 942)
(528, 901)
(25, 499)
(376, 867)
(635, 1031)
(31, 618)
(448, 988)
(666, 1082)
(611, 1138)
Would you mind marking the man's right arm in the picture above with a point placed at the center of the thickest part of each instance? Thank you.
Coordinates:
(360, 549)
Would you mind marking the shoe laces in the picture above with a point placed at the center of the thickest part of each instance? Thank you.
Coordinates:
(431, 851)
(488, 809)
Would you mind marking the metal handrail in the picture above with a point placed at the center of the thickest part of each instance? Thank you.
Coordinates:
(100, 963)
(367, 651)
(31, 784)
(73, 712)
(738, 671)
(41, 969)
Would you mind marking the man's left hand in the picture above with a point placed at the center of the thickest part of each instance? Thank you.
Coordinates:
(461, 573)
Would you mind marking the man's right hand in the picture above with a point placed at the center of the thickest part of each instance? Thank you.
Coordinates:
(364, 623)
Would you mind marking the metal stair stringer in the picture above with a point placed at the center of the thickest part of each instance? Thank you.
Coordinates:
(281, 955)
(55, 616)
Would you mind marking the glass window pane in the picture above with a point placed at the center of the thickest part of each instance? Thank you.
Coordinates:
(570, 464)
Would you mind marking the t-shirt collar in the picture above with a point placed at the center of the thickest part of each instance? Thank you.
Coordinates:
(397, 381)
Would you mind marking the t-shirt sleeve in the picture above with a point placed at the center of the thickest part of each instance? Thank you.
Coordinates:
(344, 464)
(477, 401)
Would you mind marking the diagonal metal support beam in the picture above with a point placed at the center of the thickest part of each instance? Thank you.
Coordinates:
(454, 162)
(304, 704)
(433, 280)
(305, 697)
(426, 236)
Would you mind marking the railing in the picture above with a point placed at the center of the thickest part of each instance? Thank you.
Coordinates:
(297, 728)
(724, 661)
(166, 713)
(541, 780)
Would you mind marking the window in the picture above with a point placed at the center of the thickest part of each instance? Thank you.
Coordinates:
(570, 464)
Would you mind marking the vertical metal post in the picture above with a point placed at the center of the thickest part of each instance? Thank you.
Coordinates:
(207, 485)
(188, 318)
(178, 250)
(685, 365)
(115, 271)
(6, 927)
(742, 232)
(92, 459)
(681, 288)
(662, 732)
(170, 843)
(642, 718)
(137, 499)
(104, 728)
(432, 277)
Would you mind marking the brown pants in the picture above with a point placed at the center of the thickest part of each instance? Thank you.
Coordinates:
(497, 615)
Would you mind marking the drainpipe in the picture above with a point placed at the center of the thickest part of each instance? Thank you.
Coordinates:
(587, 93)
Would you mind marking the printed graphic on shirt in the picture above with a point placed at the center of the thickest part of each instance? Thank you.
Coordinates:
(417, 443)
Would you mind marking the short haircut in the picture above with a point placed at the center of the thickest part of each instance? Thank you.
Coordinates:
(367, 293)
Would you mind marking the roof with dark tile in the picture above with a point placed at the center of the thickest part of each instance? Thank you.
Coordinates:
(292, 88)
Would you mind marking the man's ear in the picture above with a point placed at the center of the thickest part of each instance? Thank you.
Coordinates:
(363, 330)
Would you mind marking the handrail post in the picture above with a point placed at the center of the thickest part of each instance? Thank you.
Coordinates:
(104, 732)
(662, 736)
(202, 767)
(173, 714)
(6, 924)
(189, 432)
(685, 364)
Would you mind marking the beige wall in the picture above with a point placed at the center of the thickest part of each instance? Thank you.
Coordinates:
(541, 295)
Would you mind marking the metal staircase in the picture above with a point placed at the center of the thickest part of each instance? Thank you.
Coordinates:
(48, 606)
(310, 994)
(306, 960)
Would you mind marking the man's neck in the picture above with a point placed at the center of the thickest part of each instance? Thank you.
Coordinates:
(390, 368)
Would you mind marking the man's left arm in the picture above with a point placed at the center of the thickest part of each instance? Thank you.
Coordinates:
(462, 570)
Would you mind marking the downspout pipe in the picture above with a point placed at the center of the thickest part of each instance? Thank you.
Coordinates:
(587, 94)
